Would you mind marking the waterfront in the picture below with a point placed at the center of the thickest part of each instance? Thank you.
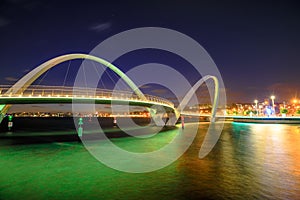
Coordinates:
(250, 161)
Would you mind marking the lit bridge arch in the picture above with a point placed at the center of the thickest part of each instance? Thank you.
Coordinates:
(10, 96)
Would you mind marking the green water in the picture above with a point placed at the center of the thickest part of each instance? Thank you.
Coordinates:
(250, 161)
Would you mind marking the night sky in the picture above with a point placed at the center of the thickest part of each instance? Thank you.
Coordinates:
(255, 44)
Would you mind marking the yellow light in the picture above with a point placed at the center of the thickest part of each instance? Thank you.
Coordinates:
(255, 101)
(295, 101)
(272, 97)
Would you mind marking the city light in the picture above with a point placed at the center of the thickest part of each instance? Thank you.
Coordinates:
(272, 97)
(256, 108)
(295, 101)
(273, 105)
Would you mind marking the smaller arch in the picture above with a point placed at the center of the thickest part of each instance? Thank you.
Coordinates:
(192, 91)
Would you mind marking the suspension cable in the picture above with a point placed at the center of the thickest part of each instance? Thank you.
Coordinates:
(106, 71)
(43, 77)
(84, 75)
(98, 73)
(66, 74)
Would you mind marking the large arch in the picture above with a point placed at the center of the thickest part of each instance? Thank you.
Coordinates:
(29, 78)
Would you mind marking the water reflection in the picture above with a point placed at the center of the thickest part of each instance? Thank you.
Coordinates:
(249, 161)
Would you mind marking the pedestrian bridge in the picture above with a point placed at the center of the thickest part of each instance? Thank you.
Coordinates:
(23, 92)
(57, 94)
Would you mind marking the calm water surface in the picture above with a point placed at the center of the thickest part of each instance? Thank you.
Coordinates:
(250, 161)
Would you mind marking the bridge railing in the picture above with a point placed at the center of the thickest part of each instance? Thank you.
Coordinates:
(78, 92)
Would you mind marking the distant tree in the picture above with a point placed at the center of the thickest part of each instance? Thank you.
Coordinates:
(298, 112)
(254, 112)
(284, 111)
(247, 112)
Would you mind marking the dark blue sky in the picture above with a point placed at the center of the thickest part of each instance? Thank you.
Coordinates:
(255, 44)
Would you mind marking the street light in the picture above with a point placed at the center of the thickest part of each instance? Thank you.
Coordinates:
(255, 101)
(295, 101)
(273, 97)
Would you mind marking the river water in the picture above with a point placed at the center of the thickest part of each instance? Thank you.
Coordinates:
(250, 161)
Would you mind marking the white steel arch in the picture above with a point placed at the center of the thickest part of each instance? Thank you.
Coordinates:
(29, 78)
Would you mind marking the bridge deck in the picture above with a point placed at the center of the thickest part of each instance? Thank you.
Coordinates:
(56, 94)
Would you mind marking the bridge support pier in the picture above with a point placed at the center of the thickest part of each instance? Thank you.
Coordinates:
(182, 121)
(115, 121)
